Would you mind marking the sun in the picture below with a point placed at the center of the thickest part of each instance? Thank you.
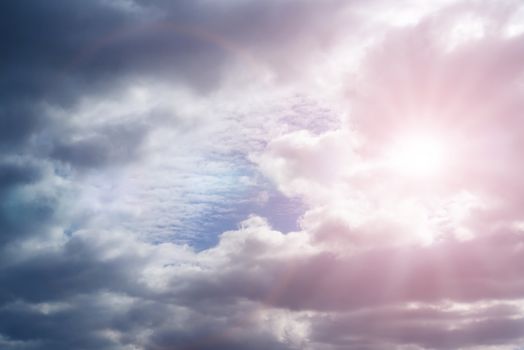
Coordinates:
(417, 154)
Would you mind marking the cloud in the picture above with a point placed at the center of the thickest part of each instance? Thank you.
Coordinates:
(270, 269)
(111, 146)
(323, 280)
(423, 327)
(134, 135)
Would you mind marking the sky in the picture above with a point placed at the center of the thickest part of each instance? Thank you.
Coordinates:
(278, 174)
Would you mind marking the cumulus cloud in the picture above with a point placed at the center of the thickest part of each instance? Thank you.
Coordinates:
(146, 149)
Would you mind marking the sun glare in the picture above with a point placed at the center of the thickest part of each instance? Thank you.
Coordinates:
(417, 155)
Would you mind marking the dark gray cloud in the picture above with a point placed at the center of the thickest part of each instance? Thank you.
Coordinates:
(39, 41)
(15, 173)
(23, 214)
(75, 269)
(214, 338)
(112, 145)
(56, 53)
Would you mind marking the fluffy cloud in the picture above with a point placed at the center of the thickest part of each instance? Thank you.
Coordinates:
(139, 141)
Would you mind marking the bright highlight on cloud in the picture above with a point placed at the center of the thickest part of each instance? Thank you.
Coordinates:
(417, 154)
(281, 174)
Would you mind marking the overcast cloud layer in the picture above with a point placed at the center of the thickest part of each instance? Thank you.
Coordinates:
(214, 175)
